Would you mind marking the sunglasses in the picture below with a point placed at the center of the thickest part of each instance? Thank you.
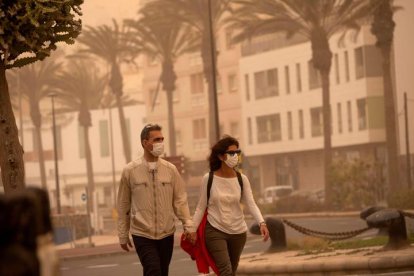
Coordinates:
(233, 152)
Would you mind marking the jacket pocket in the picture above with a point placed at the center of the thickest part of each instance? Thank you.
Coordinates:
(140, 195)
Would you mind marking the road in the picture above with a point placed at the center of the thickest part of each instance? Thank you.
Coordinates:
(128, 264)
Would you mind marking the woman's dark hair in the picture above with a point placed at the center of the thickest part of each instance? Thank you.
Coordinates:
(220, 148)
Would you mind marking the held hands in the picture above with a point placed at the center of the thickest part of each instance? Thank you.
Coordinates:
(126, 246)
(264, 231)
(191, 237)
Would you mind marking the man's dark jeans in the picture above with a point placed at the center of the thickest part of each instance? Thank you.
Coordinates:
(155, 255)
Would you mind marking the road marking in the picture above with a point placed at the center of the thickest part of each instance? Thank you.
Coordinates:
(102, 266)
(64, 268)
(136, 263)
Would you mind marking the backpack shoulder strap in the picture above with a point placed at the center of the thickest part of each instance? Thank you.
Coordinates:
(209, 183)
(239, 178)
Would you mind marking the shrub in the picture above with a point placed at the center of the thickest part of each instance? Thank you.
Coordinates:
(402, 199)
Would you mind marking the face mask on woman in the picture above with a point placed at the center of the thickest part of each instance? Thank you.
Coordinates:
(231, 160)
(157, 149)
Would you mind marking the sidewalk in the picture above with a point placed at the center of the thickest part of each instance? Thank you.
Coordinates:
(103, 245)
(339, 262)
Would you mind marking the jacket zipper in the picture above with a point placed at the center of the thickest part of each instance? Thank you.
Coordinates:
(155, 202)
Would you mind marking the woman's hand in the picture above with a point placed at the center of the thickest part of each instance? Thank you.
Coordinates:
(264, 231)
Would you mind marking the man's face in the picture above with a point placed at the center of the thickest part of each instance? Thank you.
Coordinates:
(155, 136)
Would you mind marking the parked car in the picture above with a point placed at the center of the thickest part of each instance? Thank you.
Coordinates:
(317, 195)
(273, 193)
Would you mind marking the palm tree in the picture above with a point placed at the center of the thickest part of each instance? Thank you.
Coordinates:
(80, 89)
(110, 44)
(205, 18)
(383, 28)
(317, 20)
(164, 39)
(36, 81)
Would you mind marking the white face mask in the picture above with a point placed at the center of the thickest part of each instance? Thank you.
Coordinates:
(231, 160)
(157, 149)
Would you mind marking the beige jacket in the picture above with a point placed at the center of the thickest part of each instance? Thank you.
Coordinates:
(149, 199)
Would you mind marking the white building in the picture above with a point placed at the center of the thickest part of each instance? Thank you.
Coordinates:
(282, 107)
(71, 153)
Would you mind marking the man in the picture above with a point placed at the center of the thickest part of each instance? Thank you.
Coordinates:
(150, 193)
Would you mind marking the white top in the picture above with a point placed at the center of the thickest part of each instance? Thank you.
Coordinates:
(224, 209)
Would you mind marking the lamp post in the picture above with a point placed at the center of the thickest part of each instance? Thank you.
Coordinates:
(52, 96)
(407, 142)
(214, 74)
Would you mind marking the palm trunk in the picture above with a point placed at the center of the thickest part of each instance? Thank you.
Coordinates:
(37, 122)
(390, 122)
(89, 168)
(322, 61)
(211, 87)
(171, 124)
(41, 158)
(11, 152)
(125, 138)
(327, 132)
(116, 85)
(168, 79)
(382, 27)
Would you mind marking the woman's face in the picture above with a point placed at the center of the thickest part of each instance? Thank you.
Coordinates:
(233, 149)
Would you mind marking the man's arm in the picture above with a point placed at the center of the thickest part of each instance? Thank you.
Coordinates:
(124, 211)
(180, 202)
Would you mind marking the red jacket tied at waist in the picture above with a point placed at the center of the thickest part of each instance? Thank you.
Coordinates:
(198, 251)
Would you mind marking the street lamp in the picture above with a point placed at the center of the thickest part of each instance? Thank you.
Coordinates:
(214, 74)
(52, 96)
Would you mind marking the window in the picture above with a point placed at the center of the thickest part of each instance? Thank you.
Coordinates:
(290, 125)
(349, 107)
(229, 39)
(247, 85)
(301, 125)
(359, 63)
(219, 85)
(176, 95)
(298, 77)
(197, 83)
(268, 128)
(199, 129)
(195, 59)
(178, 138)
(234, 129)
(346, 66)
(81, 138)
(287, 79)
(362, 114)
(249, 131)
(316, 121)
(232, 82)
(314, 77)
(266, 83)
(104, 138)
(339, 112)
(337, 75)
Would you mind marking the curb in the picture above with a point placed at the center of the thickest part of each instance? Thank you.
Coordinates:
(277, 264)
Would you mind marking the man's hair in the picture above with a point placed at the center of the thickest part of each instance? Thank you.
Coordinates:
(145, 132)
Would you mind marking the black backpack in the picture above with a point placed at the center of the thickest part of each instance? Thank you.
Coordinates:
(210, 182)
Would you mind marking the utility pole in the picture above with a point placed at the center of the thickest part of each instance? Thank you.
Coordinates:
(214, 74)
(407, 141)
(52, 96)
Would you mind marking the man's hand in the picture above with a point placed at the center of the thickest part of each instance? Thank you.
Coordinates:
(126, 246)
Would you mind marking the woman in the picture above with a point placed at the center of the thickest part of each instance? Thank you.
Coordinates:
(225, 230)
